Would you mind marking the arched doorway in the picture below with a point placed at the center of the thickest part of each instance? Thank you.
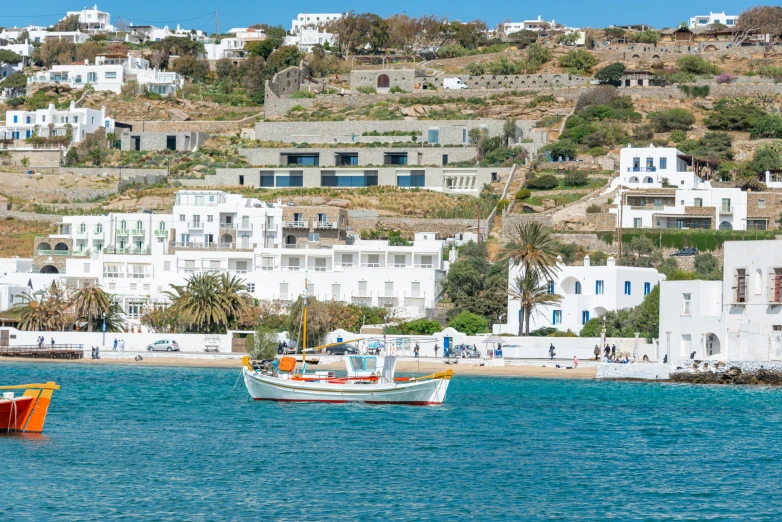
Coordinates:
(648, 179)
(570, 285)
(44, 249)
(710, 48)
(226, 240)
(383, 82)
(712, 344)
(725, 225)
(634, 179)
(600, 311)
(49, 269)
(60, 249)
(290, 241)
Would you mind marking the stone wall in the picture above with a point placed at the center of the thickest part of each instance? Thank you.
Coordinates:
(635, 371)
(116, 172)
(602, 221)
(510, 221)
(38, 158)
(288, 81)
(670, 52)
(514, 81)
(208, 127)
(402, 78)
(589, 242)
(157, 141)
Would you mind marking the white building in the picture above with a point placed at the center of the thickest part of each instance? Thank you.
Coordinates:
(92, 20)
(110, 73)
(225, 48)
(313, 20)
(41, 36)
(661, 187)
(151, 33)
(738, 318)
(306, 39)
(587, 292)
(528, 25)
(248, 34)
(81, 121)
(25, 50)
(13, 33)
(137, 256)
(714, 18)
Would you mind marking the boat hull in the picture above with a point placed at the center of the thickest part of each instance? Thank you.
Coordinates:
(14, 414)
(419, 393)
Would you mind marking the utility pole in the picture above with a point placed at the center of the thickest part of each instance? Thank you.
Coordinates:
(479, 222)
(621, 206)
(217, 23)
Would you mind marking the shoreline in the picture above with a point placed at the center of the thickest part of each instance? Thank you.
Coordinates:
(536, 370)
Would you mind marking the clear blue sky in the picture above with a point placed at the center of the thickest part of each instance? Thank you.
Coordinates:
(199, 14)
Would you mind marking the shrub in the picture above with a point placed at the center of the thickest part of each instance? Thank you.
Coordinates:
(643, 132)
(673, 119)
(601, 95)
(544, 182)
(366, 89)
(395, 89)
(594, 208)
(678, 135)
(501, 204)
(725, 78)
(563, 148)
(576, 178)
(15, 102)
(523, 194)
(695, 91)
(469, 323)
(302, 94)
(578, 61)
(767, 127)
(696, 64)
(611, 74)
(597, 151)
(733, 118)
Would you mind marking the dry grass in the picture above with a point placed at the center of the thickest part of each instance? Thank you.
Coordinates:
(16, 237)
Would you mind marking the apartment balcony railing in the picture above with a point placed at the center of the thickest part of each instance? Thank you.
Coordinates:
(127, 250)
(647, 207)
(327, 225)
(344, 265)
(61, 252)
(423, 265)
(210, 246)
(387, 298)
(195, 225)
(267, 268)
(361, 295)
(227, 226)
(415, 296)
(123, 232)
(248, 226)
(81, 253)
(400, 265)
(317, 268)
(43, 252)
(726, 211)
(294, 224)
(80, 232)
(370, 265)
(641, 169)
(290, 268)
(161, 233)
(138, 232)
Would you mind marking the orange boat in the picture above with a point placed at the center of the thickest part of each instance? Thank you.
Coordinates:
(25, 413)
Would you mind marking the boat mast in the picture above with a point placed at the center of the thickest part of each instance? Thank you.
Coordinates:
(304, 342)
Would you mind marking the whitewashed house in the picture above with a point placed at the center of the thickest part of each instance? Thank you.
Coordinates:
(42, 36)
(738, 318)
(275, 248)
(587, 292)
(527, 25)
(25, 50)
(79, 121)
(232, 48)
(714, 18)
(306, 39)
(92, 20)
(110, 73)
(661, 187)
(313, 20)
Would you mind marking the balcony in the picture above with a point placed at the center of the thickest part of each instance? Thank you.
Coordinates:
(387, 299)
(123, 232)
(360, 297)
(61, 252)
(726, 211)
(317, 268)
(161, 233)
(370, 265)
(641, 169)
(247, 226)
(210, 246)
(227, 226)
(294, 224)
(81, 232)
(290, 268)
(427, 265)
(195, 225)
(344, 265)
(81, 253)
(127, 250)
(326, 225)
(138, 232)
(43, 252)
(647, 207)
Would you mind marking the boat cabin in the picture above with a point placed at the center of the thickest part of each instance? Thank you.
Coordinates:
(371, 366)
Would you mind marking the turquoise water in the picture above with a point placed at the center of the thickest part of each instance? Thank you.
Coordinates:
(126, 442)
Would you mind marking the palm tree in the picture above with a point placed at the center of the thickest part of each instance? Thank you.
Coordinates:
(533, 248)
(48, 312)
(113, 318)
(208, 302)
(91, 302)
(233, 291)
(531, 295)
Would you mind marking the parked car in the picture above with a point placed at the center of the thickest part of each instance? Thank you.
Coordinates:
(469, 352)
(164, 346)
(342, 349)
(287, 348)
(685, 252)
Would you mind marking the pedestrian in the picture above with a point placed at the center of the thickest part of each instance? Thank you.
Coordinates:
(665, 359)
(415, 350)
(607, 351)
(122, 345)
(575, 361)
(435, 349)
(40, 342)
(597, 352)
(52, 342)
(551, 351)
(613, 351)
(692, 355)
(116, 343)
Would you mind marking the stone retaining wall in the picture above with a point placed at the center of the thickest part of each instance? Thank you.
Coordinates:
(513, 81)
(640, 371)
(208, 127)
(38, 158)
(409, 226)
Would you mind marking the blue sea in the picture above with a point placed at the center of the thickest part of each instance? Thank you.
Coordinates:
(130, 443)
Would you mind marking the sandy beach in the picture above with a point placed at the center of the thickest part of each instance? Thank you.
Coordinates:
(529, 369)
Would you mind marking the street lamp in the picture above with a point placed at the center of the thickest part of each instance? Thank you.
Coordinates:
(635, 348)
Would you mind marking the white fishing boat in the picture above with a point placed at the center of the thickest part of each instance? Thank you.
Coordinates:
(369, 379)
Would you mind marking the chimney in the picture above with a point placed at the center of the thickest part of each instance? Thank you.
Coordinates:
(611, 261)
(586, 260)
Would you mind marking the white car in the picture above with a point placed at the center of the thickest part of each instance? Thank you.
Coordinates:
(164, 346)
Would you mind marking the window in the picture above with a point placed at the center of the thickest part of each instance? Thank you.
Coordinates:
(599, 287)
(647, 288)
(427, 261)
(373, 260)
(761, 203)
(395, 158)
(584, 317)
(251, 287)
(627, 287)
(335, 292)
(445, 159)
(725, 204)
(415, 289)
(578, 288)
(133, 286)
(181, 217)
(417, 178)
(637, 222)
(686, 309)
(389, 289)
(636, 164)
(362, 289)
(775, 292)
(663, 163)
(550, 286)
(434, 136)
(740, 284)
(267, 263)
(111, 75)
(649, 164)
(464, 135)
(82, 228)
(698, 202)
(399, 261)
(556, 317)
(283, 290)
(210, 218)
(99, 228)
(92, 77)
(241, 179)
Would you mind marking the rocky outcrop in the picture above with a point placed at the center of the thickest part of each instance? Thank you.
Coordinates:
(728, 373)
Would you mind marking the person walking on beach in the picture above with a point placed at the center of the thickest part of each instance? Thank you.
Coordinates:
(613, 351)
(551, 351)
(607, 351)
(415, 350)
(597, 352)
(52, 342)
(116, 343)
(122, 345)
(575, 361)
(435, 349)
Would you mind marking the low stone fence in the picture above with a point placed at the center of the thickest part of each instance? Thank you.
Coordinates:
(208, 127)
(634, 371)
(727, 372)
(409, 226)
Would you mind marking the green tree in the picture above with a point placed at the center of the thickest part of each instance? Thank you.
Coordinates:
(47, 312)
(611, 74)
(208, 303)
(568, 38)
(523, 38)
(469, 323)
(537, 54)
(283, 58)
(89, 303)
(262, 48)
(264, 345)
(533, 248)
(417, 327)
(57, 52)
(531, 294)
(562, 148)
(462, 279)
(191, 67)
(578, 61)
(673, 119)
(766, 127)
(9, 57)
(707, 267)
